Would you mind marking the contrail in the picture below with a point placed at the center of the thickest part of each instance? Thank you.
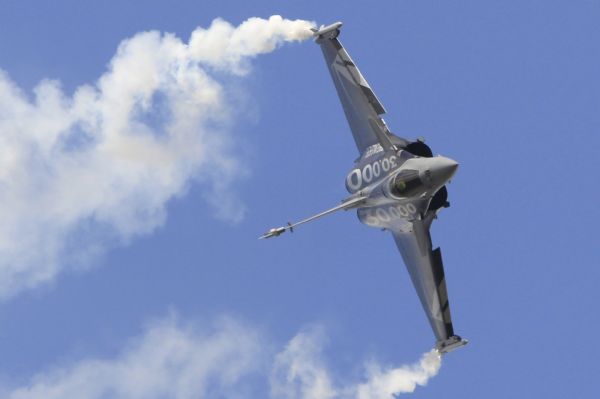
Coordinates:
(82, 172)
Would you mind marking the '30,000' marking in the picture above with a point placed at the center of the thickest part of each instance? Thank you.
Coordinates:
(380, 216)
(357, 177)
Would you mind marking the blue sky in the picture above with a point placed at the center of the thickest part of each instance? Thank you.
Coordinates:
(510, 90)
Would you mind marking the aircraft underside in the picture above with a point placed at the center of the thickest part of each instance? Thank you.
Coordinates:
(396, 185)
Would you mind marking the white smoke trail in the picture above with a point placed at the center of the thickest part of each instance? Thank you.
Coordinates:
(299, 372)
(169, 361)
(386, 384)
(229, 359)
(83, 171)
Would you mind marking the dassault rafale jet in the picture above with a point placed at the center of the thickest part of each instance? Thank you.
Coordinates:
(395, 184)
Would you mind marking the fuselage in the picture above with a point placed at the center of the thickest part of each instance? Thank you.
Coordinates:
(398, 185)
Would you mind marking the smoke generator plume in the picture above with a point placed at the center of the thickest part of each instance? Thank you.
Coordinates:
(225, 359)
(404, 379)
(299, 372)
(80, 171)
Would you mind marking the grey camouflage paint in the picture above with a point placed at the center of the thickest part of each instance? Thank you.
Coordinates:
(391, 188)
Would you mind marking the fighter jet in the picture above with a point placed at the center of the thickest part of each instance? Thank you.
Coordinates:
(396, 185)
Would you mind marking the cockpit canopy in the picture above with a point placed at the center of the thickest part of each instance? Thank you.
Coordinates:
(407, 183)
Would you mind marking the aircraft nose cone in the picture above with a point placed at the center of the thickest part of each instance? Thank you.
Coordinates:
(441, 169)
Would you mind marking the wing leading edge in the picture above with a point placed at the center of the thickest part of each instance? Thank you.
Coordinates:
(361, 106)
(427, 274)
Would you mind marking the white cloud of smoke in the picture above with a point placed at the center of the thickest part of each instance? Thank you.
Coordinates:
(168, 361)
(174, 361)
(78, 171)
(386, 383)
(299, 372)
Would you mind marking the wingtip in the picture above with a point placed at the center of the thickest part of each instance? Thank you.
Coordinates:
(450, 344)
(327, 32)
